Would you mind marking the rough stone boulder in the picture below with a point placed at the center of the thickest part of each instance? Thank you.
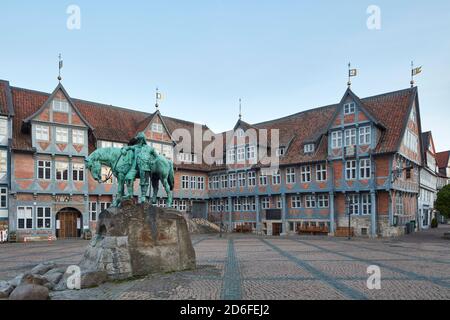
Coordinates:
(29, 292)
(137, 240)
(5, 289)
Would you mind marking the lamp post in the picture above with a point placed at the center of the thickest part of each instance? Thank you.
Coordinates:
(347, 207)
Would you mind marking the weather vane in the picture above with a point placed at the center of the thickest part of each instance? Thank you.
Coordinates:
(414, 72)
(351, 73)
(240, 108)
(60, 67)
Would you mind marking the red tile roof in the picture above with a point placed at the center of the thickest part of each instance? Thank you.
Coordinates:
(4, 101)
(390, 109)
(442, 159)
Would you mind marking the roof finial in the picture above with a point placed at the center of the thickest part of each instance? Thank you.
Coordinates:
(414, 72)
(158, 98)
(60, 67)
(240, 109)
(351, 73)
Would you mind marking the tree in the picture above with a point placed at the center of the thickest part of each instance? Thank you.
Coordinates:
(443, 201)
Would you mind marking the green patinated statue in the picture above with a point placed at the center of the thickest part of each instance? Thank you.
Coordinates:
(138, 161)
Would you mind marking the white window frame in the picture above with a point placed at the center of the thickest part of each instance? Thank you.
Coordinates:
(323, 201)
(365, 135)
(350, 137)
(336, 140)
(60, 105)
(46, 166)
(251, 175)
(365, 169)
(280, 151)
(265, 203)
(349, 108)
(305, 174)
(290, 176)
(350, 170)
(21, 215)
(157, 128)
(263, 180)
(232, 179)
(3, 127)
(193, 182)
(240, 154)
(3, 162)
(200, 183)
(231, 156)
(61, 135)
(366, 204)
(4, 198)
(242, 181)
(276, 178)
(42, 133)
(224, 181)
(310, 201)
(296, 202)
(60, 167)
(309, 148)
(77, 137)
(93, 211)
(45, 218)
(353, 205)
(78, 172)
(321, 172)
(251, 153)
(185, 182)
(104, 206)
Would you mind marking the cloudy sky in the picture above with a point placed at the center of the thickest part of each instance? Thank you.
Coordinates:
(280, 57)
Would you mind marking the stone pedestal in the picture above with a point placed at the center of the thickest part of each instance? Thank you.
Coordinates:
(137, 240)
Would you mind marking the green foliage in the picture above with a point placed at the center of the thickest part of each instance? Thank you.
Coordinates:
(443, 201)
(434, 223)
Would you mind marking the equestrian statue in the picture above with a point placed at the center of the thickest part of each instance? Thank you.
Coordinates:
(136, 161)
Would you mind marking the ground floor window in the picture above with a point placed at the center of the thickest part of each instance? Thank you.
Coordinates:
(366, 204)
(44, 218)
(24, 218)
(104, 205)
(3, 198)
(93, 211)
(353, 204)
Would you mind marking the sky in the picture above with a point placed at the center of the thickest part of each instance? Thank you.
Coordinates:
(280, 57)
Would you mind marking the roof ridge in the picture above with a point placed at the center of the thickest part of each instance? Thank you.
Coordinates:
(296, 114)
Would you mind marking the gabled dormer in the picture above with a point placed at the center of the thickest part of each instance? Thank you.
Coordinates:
(353, 129)
(158, 135)
(58, 127)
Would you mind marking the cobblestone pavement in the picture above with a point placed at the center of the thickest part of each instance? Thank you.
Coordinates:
(269, 268)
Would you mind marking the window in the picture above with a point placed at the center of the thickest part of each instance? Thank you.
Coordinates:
(93, 211)
(365, 169)
(323, 201)
(365, 134)
(399, 210)
(216, 182)
(296, 202)
(62, 135)
(77, 137)
(118, 145)
(290, 175)
(224, 180)
(167, 151)
(265, 203)
(336, 139)
(182, 157)
(157, 127)
(3, 163)
(3, 128)
(106, 144)
(321, 172)
(104, 206)
(44, 170)
(232, 180)
(106, 175)
(62, 171)
(241, 179)
(350, 170)
(349, 108)
(201, 183)
(350, 137)
(411, 141)
(240, 133)
(279, 203)
(306, 174)
(251, 178)
(276, 178)
(60, 105)
(245, 204)
(231, 155)
(182, 205)
(3, 198)
(241, 154)
(78, 172)
(280, 151)
(162, 203)
(42, 133)
(310, 201)
(309, 148)
(366, 204)
(24, 218)
(185, 182)
(353, 204)
(262, 180)
(44, 218)
(193, 182)
(236, 204)
(412, 116)
(251, 153)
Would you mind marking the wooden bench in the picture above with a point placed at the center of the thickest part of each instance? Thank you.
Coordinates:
(243, 229)
(343, 232)
(313, 230)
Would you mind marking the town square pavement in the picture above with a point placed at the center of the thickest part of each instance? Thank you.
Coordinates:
(247, 267)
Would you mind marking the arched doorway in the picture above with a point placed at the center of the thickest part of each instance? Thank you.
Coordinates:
(68, 223)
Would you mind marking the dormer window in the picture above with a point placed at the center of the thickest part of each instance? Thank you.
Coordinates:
(60, 105)
(349, 108)
(309, 148)
(281, 151)
(157, 127)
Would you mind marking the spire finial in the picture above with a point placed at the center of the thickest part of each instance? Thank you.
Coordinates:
(414, 72)
(349, 83)
(158, 97)
(60, 67)
(240, 109)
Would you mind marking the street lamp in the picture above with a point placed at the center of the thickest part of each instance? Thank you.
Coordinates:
(347, 207)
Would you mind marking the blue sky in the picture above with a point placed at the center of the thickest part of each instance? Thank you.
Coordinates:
(280, 57)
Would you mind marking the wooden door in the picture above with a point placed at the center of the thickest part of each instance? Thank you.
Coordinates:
(276, 229)
(68, 224)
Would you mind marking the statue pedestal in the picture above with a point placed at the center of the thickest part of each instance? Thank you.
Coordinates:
(137, 240)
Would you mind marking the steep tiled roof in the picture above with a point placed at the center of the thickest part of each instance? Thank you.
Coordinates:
(5, 98)
(442, 159)
(390, 110)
